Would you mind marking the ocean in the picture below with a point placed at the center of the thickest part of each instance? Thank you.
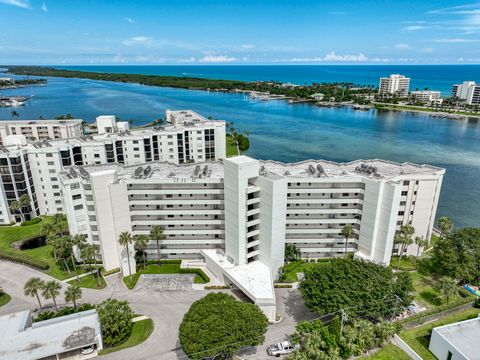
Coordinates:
(289, 133)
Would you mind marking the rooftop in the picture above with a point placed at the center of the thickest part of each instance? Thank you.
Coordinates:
(42, 122)
(21, 340)
(373, 169)
(463, 335)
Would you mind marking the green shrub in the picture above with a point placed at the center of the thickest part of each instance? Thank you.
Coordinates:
(19, 258)
(31, 222)
(46, 315)
(199, 272)
(217, 287)
(110, 272)
(243, 142)
(115, 320)
(282, 286)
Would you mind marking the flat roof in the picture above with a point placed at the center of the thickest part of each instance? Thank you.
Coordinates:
(21, 340)
(254, 278)
(384, 170)
(463, 335)
(41, 122)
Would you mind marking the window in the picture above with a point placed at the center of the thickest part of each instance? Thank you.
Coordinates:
(53, 179)
(417, 182)
(49, 154)
(77, 196)
(403, 203)
(404, 193)
(406, 183)
(96, 155)
(51, 171)
(50, 163)
(75, 186)
(401, 213)
(135, 142)
(135, 149)
(78, 207)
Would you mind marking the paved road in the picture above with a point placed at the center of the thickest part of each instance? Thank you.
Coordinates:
(166, 308)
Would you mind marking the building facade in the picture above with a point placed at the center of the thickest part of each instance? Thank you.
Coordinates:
(427, 96)
(33, 167)
(250, 208)
(41, 129)
(468, 91)
(395, 84)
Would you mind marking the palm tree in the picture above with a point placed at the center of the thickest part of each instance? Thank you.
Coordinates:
(445, 225)
(78, 241)
(347, 232)
(18, 205)
(156, 233)
(126, 240)
(51, 289)
(32, 287)
(421, 243)
(404, 238)
(72, 294)
(141, 242)
(447, 286)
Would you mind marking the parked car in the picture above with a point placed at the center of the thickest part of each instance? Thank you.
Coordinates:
(88, 350)
(282, 348)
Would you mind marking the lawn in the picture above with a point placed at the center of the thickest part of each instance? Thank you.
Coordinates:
(41, 255)
(291, 269)
(164, 268)
(141, 331)
(4, 298)
(90, 282)
(418, 338)
(408, 263)
(389, 352)
(425, 293)
(231, 147)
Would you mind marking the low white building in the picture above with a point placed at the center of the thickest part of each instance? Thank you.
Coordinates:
(62, 337)
(457, 341)
(427, 96)
(468, 91)
(395, 84)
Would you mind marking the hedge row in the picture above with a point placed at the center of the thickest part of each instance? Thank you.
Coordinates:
(46, 315)
(217, 287)
(31, 222)
(199, 272)
(113, 271)
(19, 258)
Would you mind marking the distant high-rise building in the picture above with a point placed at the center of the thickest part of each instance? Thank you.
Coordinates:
(468, 91)
(427, 96)
(394, 84)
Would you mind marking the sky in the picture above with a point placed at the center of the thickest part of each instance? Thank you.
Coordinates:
(141, 32)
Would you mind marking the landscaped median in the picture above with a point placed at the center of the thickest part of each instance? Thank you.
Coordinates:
(141, 331)
(165, 267)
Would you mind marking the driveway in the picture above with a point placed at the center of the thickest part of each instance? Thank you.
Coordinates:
(165, 308)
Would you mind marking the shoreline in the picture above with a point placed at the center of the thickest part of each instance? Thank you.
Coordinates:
(255, 90)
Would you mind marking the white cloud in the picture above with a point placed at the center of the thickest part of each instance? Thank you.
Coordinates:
(44, 7)
(455, 40)
(138, 40)
(247, 46)
(119, 59)
(414, 27)
(187, 61)
(427, 50)
(19, 3)
(128, 19)
(333, 57)
(217, 59)
(402, 46)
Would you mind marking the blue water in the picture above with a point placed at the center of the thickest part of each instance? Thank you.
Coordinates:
(434, 77)
(290, 133)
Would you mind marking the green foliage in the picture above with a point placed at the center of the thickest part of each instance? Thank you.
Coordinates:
(141, 331)
(321, 341)
(291, 253)
(19, 258)
(45, 315)
(4, 297)
(218, 323)
(359, 286)
(115, 320)
(198, 272)
(32, 222)
(457, 255)
(243, 142)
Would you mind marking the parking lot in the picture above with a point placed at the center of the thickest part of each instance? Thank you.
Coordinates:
(166, 282)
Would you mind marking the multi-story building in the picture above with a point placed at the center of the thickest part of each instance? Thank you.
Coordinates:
(395, 84)
(41, 129)
(427, 96)
(193, 139)
(238, 214)
(468, 91)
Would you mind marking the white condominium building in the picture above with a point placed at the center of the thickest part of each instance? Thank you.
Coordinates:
(427, 96)
(41, 129)
(258, 204)
(33, 167)
(238, 214)
(395, 84)
(468, 91)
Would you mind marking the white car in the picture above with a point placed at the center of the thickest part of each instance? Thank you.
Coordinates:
(88, 350)
(283, 348)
